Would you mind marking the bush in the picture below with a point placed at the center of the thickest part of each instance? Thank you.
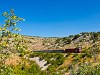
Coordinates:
(76, 36)
(87, 69)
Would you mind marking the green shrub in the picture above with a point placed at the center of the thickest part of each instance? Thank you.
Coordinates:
(87, 69)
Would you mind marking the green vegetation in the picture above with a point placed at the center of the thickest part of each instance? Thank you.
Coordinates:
(21, 69)
(86, 69)
(55, 59)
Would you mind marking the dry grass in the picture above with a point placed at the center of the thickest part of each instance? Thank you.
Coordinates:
(67, 62)
(13, 60)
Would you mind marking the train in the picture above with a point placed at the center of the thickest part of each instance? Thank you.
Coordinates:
(70, 50)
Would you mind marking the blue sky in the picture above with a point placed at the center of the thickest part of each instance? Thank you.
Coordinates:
(54, 18)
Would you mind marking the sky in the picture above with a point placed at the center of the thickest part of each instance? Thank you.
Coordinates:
(54, 18)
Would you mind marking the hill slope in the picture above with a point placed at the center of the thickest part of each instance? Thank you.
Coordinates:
(18, 56)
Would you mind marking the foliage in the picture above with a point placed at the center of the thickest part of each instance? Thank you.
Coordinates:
(76, 36)
(55, 59)
(66, 40)
(21, 69)
(87, 69)
(6, 31)
(11, 21)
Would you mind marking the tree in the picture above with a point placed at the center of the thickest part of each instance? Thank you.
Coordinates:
(76, 36)
(9, 27)
(10, 22)
(6, 32)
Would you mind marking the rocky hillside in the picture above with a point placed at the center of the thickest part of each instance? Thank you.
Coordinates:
(17, 55)
(83, 39)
